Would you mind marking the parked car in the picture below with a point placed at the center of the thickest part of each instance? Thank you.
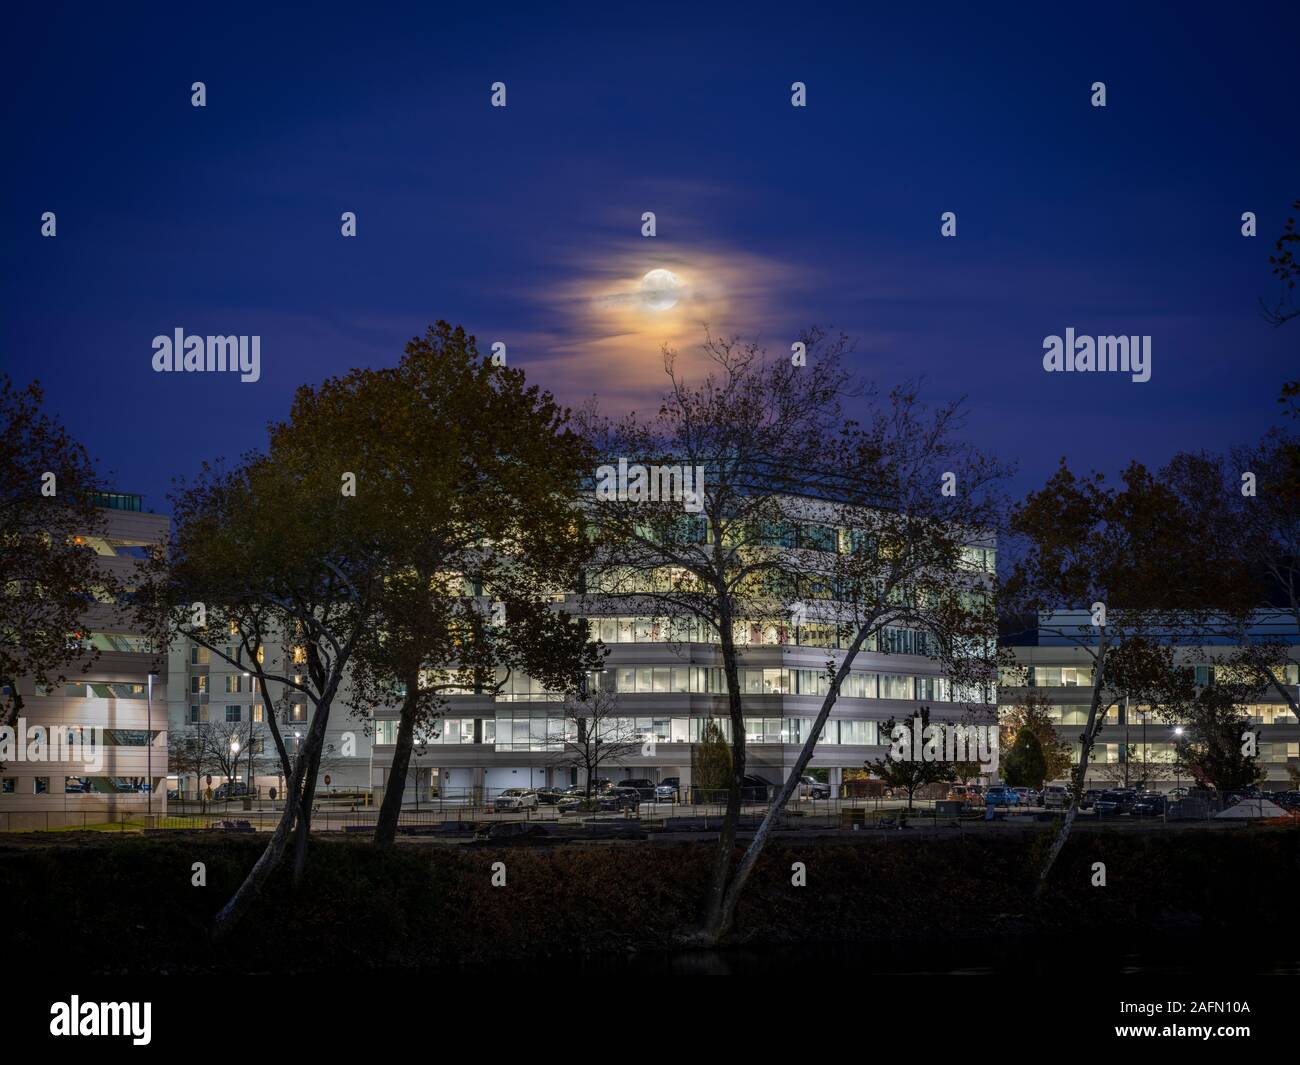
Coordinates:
(1028, 796)
(1115, 801)
(643, 786)
(517, 799)
(1089, 799)
(812, 788)
(665, 792)
(1151, 804)
(549, 796)
(619, 798)
(1234, 797)
(999, 795)
(1056, 796)
(1288, 800)
(236, 790)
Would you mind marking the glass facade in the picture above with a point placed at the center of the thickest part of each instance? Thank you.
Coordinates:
(537, 731)
(616, 630)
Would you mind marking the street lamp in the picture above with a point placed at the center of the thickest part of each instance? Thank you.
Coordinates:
(148, 792)
(249, 685)
(148, 795)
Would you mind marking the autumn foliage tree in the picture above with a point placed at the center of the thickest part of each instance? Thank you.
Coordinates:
(1104, 569)
(471, 478)
(49, 576)
(1032, 713)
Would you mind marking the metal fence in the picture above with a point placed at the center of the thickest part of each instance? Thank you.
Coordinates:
(355, 812)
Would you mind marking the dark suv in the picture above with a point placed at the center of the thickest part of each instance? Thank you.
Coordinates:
(1152, 804)
(1117, 801)
(619, 798)
(644, 788)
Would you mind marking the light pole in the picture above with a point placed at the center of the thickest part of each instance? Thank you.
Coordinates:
(1178, 761)
(1146, 772)
(148, 795)
(248, 676)
(1125, 746)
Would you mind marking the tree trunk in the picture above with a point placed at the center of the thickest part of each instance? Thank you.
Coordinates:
(751, 856)
(230, 914)
(303, 831)
(390, 809)
(282, 752)
(1089, 735)
(233, 910)
(716, 902)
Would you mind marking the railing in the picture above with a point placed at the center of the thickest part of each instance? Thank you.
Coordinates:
(354, 812)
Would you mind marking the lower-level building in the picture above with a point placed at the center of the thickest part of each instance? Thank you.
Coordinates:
(94, 749)
(666, 695)
(1137, 745)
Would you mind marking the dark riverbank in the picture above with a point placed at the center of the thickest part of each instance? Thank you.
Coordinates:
(95, 905)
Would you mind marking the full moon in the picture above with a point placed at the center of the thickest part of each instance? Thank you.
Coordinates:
(660, 290)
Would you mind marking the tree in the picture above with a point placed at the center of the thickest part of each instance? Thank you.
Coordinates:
(908, 773)
(965, 772)
(471, 477)
(1250, 499)
(593, 735)
(1133, 770)
(711, 762)
(1218, 745)
(1033, 714)
(1102, 569)
(1024, 765)
(189, 753)
(230, 746)
(1289, 397)
(917, 507)
(274, 569)
(708, 545)
(1286, 268)
(50, 576)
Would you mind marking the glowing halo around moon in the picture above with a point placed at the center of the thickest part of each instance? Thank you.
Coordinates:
(660, 290)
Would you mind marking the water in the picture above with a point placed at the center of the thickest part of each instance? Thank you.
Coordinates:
(978, 956)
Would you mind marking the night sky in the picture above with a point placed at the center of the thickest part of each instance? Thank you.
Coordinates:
(524, 222)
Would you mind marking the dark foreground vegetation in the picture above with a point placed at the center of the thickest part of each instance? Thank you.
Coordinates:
(93, 905)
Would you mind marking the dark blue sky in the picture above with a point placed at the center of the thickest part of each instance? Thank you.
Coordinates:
(517, 222)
